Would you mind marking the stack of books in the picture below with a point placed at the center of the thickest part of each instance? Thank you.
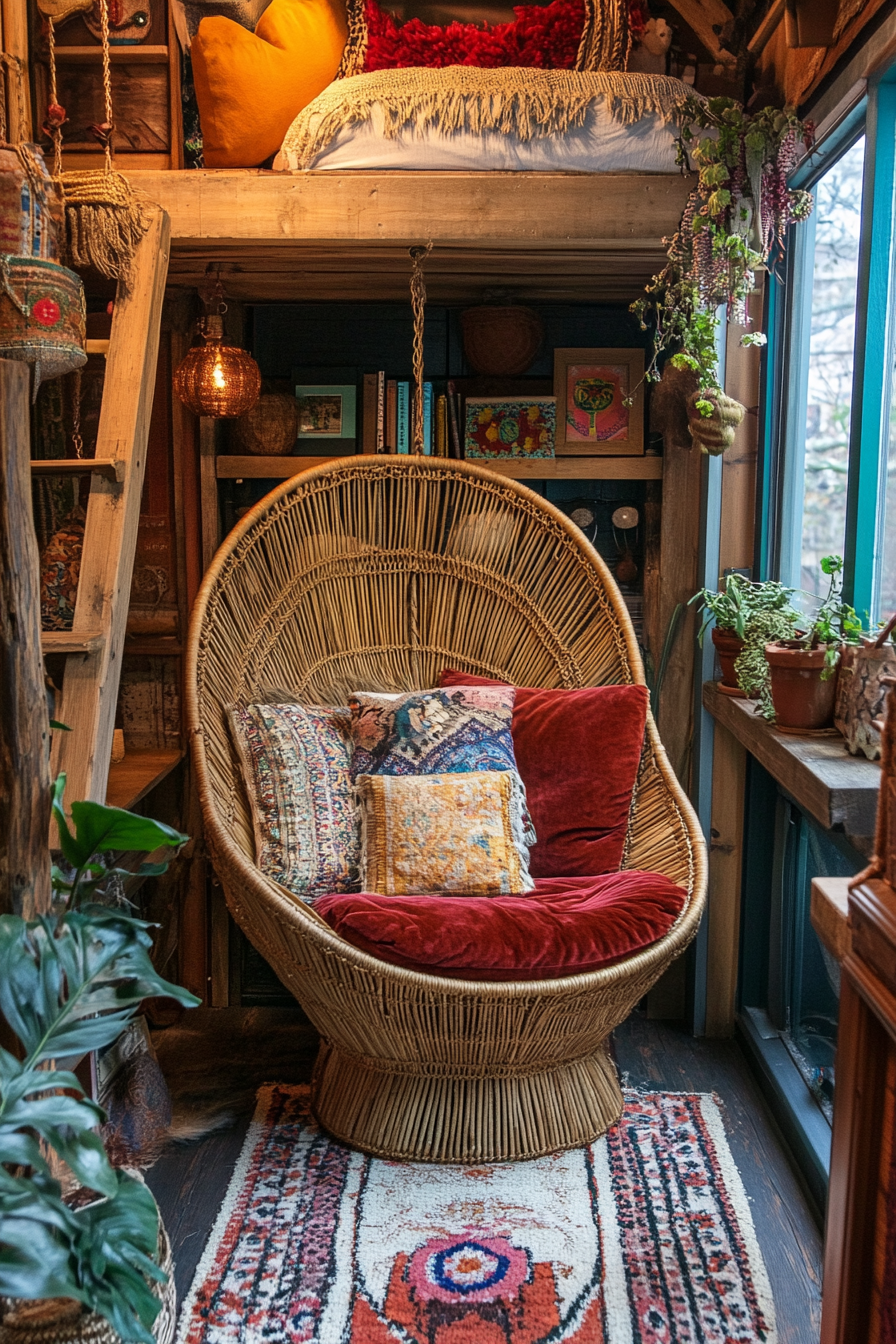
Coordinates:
(388, 417)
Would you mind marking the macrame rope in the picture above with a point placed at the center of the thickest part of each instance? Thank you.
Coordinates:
(418, 306)
(55, 128)
(107, 81)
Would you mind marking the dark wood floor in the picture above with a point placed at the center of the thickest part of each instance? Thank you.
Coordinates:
(216, 1060)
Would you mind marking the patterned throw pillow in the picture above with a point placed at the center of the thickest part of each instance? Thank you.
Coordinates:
(455, 729)
(295, 761)
(443, 833)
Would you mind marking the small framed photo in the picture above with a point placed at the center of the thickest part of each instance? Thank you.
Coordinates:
(591, 387)
(509, 427)
(326, 412)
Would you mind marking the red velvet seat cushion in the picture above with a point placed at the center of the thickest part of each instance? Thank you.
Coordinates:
(566, 926)
(578, 753)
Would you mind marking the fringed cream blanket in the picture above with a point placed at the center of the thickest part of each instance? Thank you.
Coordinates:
(529, 104)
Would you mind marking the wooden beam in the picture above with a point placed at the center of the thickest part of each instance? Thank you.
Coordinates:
(90, 692)
(464, 209)
(14, 27)
(725, 859)
(520, 469)
(208, 487)
(24, 722)
(704, 17)
(829, 913)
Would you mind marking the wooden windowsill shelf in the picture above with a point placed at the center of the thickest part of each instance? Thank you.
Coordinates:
(838, 790)
(141, 770)
(522, 469)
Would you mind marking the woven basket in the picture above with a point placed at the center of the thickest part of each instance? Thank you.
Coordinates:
(376, 573)
(42, 316)
(270, 428)
(61, 1320)
(501, 342)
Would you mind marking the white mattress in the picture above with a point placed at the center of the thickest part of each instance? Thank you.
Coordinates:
(601, 145)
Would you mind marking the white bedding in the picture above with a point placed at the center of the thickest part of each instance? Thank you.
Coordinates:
(601, 145)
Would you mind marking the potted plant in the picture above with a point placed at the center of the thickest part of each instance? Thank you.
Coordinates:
(802, 667)
(728, 613)
(735, 219)
(71, 981)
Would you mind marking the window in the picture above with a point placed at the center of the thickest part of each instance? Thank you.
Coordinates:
(830, 365)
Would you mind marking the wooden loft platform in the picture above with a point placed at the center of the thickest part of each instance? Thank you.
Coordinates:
(554, 237)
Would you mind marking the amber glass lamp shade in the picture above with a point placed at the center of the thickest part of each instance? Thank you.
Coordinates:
(216, 380)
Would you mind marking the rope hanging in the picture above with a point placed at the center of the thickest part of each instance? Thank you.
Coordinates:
(418, 305)
(104, 221)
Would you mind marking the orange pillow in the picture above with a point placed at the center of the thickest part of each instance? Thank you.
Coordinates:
(251, 86)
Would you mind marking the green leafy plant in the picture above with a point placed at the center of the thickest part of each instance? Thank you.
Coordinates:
(738, 602)
(735, 218)
(832, 622)
(71, 981)
(751, 665)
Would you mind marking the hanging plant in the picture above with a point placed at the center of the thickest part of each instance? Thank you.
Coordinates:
(735, 220)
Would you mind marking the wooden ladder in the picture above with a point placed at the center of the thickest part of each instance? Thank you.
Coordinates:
(95, 642)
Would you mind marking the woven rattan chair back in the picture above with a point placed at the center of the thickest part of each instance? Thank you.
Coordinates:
(377, 573)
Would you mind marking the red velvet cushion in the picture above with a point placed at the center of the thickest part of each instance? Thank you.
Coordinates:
(578, 753)
(566, 926)
(543, 36)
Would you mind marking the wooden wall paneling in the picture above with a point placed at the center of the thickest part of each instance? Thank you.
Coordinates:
(91, 681)
(742, 377)
(208, 485)
(24, 722)
(725, 860)
(855, 1164)
(14, 17)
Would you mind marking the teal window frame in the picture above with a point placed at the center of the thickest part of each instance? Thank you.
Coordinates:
(787, 317)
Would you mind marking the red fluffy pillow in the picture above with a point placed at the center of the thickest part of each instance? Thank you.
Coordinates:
(565, 927)
(578, 753)
(544, 37)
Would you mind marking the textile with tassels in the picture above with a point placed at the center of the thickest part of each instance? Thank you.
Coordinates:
(104, 219)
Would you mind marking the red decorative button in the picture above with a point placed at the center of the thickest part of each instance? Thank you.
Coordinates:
(46, 311)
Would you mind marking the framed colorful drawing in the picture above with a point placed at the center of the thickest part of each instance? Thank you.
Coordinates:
(326, 412)
(591, 387)
(509, 427)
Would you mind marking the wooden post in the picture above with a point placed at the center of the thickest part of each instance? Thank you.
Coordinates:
(14, 29)
(211, 525)
(24, 722)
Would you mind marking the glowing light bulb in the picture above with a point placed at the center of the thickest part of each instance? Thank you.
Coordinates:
(218, 377)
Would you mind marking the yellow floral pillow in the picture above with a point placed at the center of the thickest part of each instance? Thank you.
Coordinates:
(455, 833)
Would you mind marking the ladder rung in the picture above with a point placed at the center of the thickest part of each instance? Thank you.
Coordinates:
(68, 641)
(97, 347)
(111, 468)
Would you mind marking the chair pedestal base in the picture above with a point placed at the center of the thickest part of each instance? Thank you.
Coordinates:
(433, 1117)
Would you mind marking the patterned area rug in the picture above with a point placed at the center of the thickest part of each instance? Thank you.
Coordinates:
(644, 1237)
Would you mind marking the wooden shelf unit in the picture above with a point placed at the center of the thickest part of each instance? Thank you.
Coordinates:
(134, 55)
(139, 772)
(541, 469)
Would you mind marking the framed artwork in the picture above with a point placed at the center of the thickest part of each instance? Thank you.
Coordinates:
(326, 412)
(509, 427)
(591, 387)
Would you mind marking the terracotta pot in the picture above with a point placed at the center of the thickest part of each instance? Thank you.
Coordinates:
(728, 646)
(501, 341)
(801, 699)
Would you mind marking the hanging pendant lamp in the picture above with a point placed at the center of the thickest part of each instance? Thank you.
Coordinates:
(217, 380)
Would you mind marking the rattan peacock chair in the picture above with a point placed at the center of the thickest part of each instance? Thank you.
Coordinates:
(377, 573)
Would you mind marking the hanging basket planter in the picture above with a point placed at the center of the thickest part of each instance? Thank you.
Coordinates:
(714, 433)
(42, 316)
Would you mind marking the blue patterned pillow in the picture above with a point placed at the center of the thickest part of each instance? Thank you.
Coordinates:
(444, 731)
(296, 761)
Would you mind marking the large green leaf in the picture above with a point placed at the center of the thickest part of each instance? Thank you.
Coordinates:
(103, 829)
(72, 982)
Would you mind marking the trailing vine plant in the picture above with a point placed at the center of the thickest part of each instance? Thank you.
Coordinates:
(735, 221)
